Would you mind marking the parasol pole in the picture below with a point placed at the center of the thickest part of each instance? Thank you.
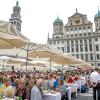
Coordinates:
(3, 65)
(62, 68)
(27, 56)
(69, 69)
(21, 65)
(50, 64)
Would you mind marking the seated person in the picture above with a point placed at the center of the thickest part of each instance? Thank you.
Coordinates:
(70, 79)
(63, 90)
(50, 82)
(4, 85)
(9, 93)
(56, 83)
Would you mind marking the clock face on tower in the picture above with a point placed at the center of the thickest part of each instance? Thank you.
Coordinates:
(77, 20)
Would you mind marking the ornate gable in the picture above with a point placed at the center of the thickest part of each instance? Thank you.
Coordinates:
(77, 19)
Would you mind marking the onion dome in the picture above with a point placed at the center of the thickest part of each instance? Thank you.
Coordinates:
(58, 21)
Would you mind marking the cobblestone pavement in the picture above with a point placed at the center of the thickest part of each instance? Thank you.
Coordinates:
(84, 96)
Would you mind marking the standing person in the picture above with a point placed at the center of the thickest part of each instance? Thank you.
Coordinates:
(94, 77)
(21, 90)
(36, 92)
(31, 83)
(98, 86)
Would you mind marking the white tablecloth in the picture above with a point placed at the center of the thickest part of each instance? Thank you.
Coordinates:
(80, 83)
(69, 93)
(74, 88)
(51, 96)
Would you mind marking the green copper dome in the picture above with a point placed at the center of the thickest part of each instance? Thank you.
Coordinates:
(58, 20)
(97, 15)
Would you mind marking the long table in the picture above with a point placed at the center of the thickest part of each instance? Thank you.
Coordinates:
(74, 88)
(69, 93)
(52, 96)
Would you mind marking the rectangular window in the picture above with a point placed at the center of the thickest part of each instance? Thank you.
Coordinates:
(72, 48)
(86, 57)
(72, 42)
(71, 35)
(96, 39)
(77, 48)
(76, 41)
(76, 35)
(63, 49)
(50, 43)
(58, 47)
(80, 41)
(91, 56)
(54, 43)
(88, 27)
(84, 27)
(67, 42)
(77, 55)
(79, 28)
(62, 42)
(67, 29)
(58, 42)
(86, 49)
(98, 57)
(84, 34)
(82, 56)
(89, 33)
(81, 48)
(71, 29)
(97, 48)
(89, 40)
(85, 41)
(90, 46)
(57, 37)
(98, 64)
(75, 28)
(68, 49)
(80, 34)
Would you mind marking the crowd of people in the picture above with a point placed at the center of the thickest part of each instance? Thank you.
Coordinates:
(31, 85)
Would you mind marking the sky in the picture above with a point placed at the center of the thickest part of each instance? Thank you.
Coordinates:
(38, 15)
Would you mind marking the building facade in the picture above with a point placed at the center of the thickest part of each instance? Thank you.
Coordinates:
(77, 37)
(16, 17)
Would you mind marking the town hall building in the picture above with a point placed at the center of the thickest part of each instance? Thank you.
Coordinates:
(77, 37)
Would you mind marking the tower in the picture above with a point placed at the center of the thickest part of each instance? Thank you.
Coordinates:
(16, 17)
(58, 26)
(97, 21)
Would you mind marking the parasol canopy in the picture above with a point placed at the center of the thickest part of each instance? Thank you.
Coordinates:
(9, 37)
